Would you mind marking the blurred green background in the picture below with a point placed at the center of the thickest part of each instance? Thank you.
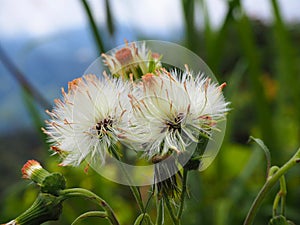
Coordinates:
(253, 46)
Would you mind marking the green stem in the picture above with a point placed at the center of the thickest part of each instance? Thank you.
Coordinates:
(79, 192)
(171, 211)
(183, 193)
(160, 212)
(98, 214)
(134, 189)
(282, 194)
(93, 26)
(272, 171)
(275, 204)
(271, 181)
(137, 195)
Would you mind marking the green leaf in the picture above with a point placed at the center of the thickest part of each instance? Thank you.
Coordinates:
(160, 212)
(109, 18)
(22, 80)
(35, 115)
(188, 7)
(265, 149)
(143, 219)
(93, 26)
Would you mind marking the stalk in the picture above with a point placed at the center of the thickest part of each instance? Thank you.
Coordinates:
(271, 181)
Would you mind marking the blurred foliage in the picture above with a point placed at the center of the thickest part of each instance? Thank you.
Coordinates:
(260, 63)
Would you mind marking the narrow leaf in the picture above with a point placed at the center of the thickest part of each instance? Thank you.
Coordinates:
(143, 219)
(35, 114)
(160, 212)
(265, 149)
(93, 26)
(109, 18)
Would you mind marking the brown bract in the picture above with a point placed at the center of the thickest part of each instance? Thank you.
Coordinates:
(124, 56)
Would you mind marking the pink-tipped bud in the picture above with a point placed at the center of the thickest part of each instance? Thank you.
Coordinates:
(30, 167)
(33, 170)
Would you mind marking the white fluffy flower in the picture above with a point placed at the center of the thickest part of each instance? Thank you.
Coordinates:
(172, 110)
(89, 120)
(133, 59)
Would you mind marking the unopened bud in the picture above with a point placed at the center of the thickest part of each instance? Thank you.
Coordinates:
(280, 220)
(45, 208)
(33, 170)
(49, 182)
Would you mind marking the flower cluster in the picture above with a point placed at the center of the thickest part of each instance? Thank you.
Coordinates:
(160, 114)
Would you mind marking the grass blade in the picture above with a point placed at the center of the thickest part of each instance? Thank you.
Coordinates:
(109, 18)
(93, 26)
(251, 53)
(22, 80)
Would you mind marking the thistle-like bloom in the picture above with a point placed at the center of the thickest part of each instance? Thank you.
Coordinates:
(176, 109)
(134, 59)
(89, 119)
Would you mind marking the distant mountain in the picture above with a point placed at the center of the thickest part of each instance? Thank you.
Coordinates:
(48, 63)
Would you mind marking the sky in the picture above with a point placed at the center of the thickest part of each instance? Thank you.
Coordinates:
(40, 17)
(44, 20)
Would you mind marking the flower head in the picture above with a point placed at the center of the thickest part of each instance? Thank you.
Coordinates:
(133, 59)
(176, 109)
(89, 120)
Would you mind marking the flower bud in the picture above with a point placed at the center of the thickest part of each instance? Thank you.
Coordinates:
(134, 59)
(49, 182)
(33, 170)
(280, 220)
(45, 208)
